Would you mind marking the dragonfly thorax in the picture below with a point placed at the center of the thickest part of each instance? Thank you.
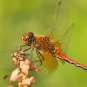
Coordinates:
(43, 43)
(28, 38)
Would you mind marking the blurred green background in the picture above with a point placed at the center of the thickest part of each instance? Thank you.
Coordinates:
(21, 16)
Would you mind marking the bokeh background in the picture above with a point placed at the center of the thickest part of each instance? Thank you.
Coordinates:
(21, 16)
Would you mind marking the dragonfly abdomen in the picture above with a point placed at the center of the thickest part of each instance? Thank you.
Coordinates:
(61, 56)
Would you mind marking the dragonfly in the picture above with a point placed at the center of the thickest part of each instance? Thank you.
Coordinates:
(48, 48)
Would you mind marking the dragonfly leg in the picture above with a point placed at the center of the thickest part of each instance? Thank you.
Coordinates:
(40, 56)
(23, 45)
(26, 49)
(31, 52)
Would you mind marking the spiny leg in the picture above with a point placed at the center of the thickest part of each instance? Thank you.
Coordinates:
(31, 53)
(40, 56)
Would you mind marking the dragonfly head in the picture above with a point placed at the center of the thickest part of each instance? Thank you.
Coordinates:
(28, 38)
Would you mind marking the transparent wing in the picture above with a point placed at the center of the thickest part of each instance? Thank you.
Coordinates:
(6, 67)
(49, 65)
(59, 23)
(6, 83)
(6, 59)
(66, 38)
(58, 30)
(49, 62)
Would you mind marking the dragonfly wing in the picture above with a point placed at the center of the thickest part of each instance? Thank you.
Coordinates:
(6, 59)
(49, 65)
(59, 22)
(66, 38)
(5, 82)
(49, 62)
(6, 67)
(58, 29)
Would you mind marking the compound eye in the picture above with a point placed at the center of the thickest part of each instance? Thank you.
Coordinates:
(28, 38)
(25, 38)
